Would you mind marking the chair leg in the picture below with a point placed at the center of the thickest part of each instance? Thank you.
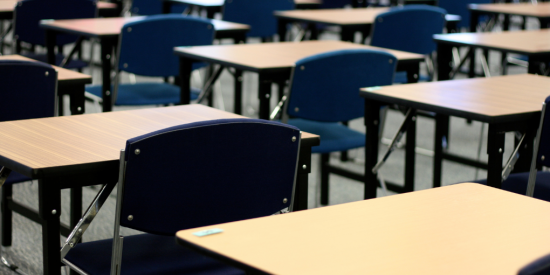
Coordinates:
(325, 159)
(7, 194)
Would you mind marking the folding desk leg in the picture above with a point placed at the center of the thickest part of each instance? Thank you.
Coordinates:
(185, 78)
(444, 58)
(304, 168)
(495, 150)
(76, 205)
(281, 29)
(347, 34)
(533, 66)
(264, 95)
(106, 52)
(372, 121)
(51, 37)
(238, 92)
(410, 155)
(526, 151)
(49, 205)
(412, 73)
(7, 215)
(77, 100)
(441, 124)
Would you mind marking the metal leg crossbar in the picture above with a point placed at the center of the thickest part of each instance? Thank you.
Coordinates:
(207, 88)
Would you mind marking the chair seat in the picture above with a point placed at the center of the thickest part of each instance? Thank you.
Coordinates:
(517, 183)
(145, 93)
(72, 64)
(401, 78)
(143, 250)
(334, 136)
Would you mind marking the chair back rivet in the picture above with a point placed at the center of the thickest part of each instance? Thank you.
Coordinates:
(54, 212)
(47, 73)
(541, 157)
(296, 109)
(293, 139)
(125, 65)
(285, 200)
(130, 218)
(304, 167)
(137, 151)
(302, 68)
(391, 61)
(129, 29)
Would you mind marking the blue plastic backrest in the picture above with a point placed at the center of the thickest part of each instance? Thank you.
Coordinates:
(334, 4)
(460, 7)
(409, 28)
(325, 87)
(147, 46)
(28, 13)
(152, 7)
(540, 266)
(208, 172)
(258, 14)
(28, 90)
(544, 146)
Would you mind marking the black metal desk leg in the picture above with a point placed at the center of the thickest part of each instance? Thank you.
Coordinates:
(51, 40)
(49, 205)
(495, 150)
(264, 95)
(186, 66)
(444, 61)
(372, 122)
(412, 73)
(281, 29)
(304, 168)
(166, 7)
(238, 92)
(441, 126)
(77, 100)
(410, 156)
(347, 34)
(7, 215)
(106, 52)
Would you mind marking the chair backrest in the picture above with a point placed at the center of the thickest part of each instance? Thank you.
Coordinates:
(147, 45)
(325, 87)
(208, 172)
(540, 266)
(335, 4)
(258, 14)
(28, 90)
(543, 157)
(409, 28)
(152, 7)
(460, 7)
(28, 13)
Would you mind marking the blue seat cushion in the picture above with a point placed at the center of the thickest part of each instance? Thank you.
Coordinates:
(517, 183)
(401, 78)
(145, 93)
(72, 64)
(146, 254)
(335, 137)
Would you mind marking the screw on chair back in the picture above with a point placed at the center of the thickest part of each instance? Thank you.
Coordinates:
(29, 13)
(258, 14)
(460, 7)
(325, 87)
(144, 50)
(207, 173)
(409, 28)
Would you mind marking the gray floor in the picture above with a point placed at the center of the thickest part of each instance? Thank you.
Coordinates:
(26, 249)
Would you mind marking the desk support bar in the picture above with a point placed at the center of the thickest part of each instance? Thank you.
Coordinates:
(533, 170)
(87, 218)
(76, 47)
(512, 160)
(4, 174)
(207, 88)
(409, 116)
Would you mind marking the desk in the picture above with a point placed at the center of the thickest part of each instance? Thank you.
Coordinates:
(69, 152)
(506, 103)
(541, 11)
(273, 62)
(7, 7)
(535, 44)
(214, 6)
(349, 20)
(68, 83)
(458, 229)
(107, 30)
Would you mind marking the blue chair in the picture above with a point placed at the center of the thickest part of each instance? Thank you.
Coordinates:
(29, 90)
(540, 266)
(460, 7)
(518, 182)
(152, 7)
(258, 14)
(409, 28)
(28, 13)
(147, 48)
(210, 172)
(324, 91)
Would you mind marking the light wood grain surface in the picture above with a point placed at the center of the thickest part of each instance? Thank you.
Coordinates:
(527, 9)
(459, 229)
(530, 41)
(277, 55)
(491, 97)
(111, 26)
(62, 74)
(70, 140)
(335, 16)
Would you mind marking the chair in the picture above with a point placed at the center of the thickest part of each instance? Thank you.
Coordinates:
(460, 7)
(188, 176)
(409, 28)
(518, 182)
(540, 266)
(27, 15)
(147, 48)
(258, 14)
(324, 91)
(152, 7)
(29, 90)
